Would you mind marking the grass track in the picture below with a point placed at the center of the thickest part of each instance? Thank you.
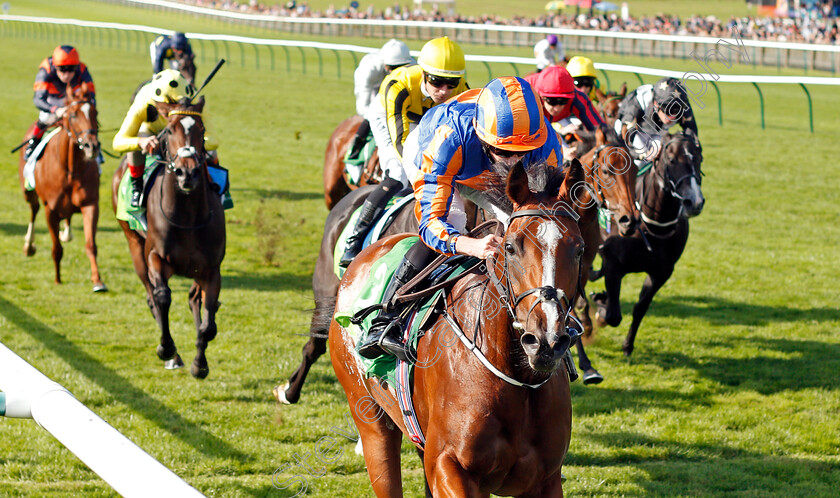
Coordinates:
(732, 389)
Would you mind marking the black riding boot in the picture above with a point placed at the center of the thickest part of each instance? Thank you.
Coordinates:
(359, 140)
(136, 191)
(385, 334)
(30, 147)
(373, 207)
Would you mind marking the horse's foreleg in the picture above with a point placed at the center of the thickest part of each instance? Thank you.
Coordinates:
(448, 478)
(34, 206)
(609, 312)
(90, 216)
(381, 446)
(159, 275)
(312, 350)
(57, 250)
(207, 291)
(590, 375)
(649, 289)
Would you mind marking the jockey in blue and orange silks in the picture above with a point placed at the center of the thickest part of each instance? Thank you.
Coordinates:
(57, 76)
(454, 143)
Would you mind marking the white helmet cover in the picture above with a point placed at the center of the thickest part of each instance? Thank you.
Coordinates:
(395, 53)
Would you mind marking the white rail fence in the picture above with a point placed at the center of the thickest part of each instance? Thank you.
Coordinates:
(212, 47)
(28, 393)
(768, 53)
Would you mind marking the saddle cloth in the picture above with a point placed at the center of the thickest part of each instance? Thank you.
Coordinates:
(29, 167)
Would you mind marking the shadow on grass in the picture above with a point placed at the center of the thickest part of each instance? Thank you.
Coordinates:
(803, 365)
(708, 469)
(118, 387)
(718, 311)
(260, 281)
(16, 229)
(286, 195)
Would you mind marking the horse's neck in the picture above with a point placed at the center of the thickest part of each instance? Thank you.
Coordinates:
(657, 203)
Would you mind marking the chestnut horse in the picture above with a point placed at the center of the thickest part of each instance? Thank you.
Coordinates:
(67, 182)
(611, 177)
(186, 232)
(608, 104)
(497, 413)
(336, 184)
(668, 195)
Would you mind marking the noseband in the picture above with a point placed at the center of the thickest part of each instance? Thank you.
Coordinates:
(545, 294)
(670, 186)
(77, 137)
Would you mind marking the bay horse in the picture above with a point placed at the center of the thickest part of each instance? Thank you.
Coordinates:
(497, 413)
(611, 178)
(336, 184)
(186, 232)
(669, 194)
(67, 182)
(325, 285)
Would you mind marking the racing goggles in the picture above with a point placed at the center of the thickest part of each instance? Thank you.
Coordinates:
(440, 82)
(557, 100)
(587, 81)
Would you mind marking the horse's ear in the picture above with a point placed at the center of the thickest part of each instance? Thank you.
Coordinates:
(163, 108)
(199, 104)
(517, 185)
(623, 92)
(600, 138)
(574, 176)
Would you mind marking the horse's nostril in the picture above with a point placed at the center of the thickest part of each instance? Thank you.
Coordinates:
(624, 220)
(688, 203)
(529, 342)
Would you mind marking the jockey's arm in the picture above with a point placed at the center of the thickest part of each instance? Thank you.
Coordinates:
(41, 91)
(160, 55)
(584, 110)
(388, 155)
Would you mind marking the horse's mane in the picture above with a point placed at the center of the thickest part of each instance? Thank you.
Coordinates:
(544, 180)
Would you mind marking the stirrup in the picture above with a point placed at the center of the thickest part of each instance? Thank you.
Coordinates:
(394, 345)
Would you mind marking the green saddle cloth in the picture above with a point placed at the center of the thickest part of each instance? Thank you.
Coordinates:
(358, 161)
(371, 293)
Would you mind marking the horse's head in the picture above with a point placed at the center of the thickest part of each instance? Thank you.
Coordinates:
(609, 105)
(612, 174)
(182, 143)
(541, 256)
(679, 170)
(186, 65)
(80, 121)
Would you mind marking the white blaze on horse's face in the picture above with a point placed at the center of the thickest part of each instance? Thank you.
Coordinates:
(187, 122)
(86, 110)
(186, 151)
(549, 236)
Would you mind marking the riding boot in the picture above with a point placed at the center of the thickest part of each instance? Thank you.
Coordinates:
(370, 212)
(136, 191)
(359, 140)
(385, 334)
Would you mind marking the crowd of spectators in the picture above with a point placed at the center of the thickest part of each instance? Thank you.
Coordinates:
(816, 23)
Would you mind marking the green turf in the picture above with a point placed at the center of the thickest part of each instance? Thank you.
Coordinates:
(732, 390)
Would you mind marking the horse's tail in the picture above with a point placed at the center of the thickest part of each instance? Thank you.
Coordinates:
(323, 315)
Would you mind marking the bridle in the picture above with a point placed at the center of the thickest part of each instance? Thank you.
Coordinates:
(660, 170)
(545, 294)
(169, 160)
(77, 138)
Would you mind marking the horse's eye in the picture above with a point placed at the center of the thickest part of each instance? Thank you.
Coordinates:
(509, 248)
(580, 252)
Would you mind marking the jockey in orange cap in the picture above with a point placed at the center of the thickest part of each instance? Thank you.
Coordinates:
(455, 142)
(57, 75)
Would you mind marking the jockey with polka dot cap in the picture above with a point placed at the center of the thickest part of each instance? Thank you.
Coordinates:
(561, 101)
(455, 144)
(137, 135)
(58, 75)
(367, 78)
(404, 97)
(648, 112)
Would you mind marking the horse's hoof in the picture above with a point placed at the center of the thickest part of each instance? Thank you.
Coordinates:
(65, 238)
(173, 363)
(199, 372)
(592, 376)
(280, 394)
(29, 250)
(100, 287)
